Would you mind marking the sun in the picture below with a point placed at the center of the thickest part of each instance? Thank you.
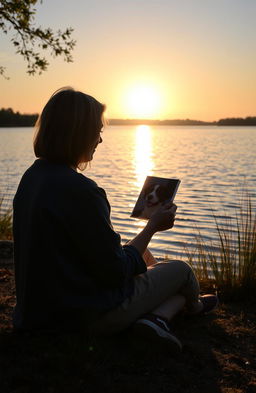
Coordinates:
(143, 101)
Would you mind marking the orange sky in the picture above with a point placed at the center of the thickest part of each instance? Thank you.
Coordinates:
(152, 59)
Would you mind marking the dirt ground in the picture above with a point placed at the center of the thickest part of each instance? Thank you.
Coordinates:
(219, 355)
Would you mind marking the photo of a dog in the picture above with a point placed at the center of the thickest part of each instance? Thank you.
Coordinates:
(155, 192)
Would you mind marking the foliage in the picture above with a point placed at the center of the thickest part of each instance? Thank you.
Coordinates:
(237, 121)
(9, 118)
(5, 221)
(17, 16)
(230, 263)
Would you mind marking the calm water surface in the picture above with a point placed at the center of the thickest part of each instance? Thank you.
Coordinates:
(213, 163)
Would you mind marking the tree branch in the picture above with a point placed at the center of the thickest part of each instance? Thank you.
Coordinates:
(19, 16)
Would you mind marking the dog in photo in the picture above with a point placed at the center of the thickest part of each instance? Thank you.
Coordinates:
(154, 196)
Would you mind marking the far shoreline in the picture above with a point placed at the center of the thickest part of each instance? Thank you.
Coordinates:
(9, 118)
(135, 122)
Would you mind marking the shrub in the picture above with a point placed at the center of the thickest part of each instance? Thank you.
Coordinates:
(229, 263)
(5, 221)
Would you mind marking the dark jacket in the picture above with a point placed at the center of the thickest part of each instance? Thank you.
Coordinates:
(69, 262)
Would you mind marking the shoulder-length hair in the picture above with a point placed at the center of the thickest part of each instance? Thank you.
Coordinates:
(68, 127)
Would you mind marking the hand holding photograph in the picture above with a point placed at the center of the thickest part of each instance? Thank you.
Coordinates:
(155, 192)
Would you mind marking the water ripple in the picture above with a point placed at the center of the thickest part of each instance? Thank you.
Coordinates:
(214, 164)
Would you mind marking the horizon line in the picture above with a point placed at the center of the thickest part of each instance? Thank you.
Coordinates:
(145, 121)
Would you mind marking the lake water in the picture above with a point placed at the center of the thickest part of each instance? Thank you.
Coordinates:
(213, 164)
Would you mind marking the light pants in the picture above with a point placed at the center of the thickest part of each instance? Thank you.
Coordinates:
(161, 281)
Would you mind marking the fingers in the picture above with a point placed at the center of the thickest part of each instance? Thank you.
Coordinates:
(173, 208)
(170, 205)
(163, 218)
(171, 213)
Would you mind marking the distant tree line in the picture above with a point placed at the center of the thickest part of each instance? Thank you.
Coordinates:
(175, 122)
(237, 121)
(9, 118)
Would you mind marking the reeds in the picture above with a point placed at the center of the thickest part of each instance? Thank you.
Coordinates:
(5, 221)
(229, 263)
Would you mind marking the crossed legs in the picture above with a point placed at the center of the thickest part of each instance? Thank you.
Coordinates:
(163, 290)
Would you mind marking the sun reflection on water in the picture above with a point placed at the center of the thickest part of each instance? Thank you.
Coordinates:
(144, 163)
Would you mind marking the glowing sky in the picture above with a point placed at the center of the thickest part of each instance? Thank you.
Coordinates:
(189, 58)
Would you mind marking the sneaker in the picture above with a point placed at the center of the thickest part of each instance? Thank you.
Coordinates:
(157, 330)
(209, 302)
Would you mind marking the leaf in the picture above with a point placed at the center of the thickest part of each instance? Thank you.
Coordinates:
(17, 16)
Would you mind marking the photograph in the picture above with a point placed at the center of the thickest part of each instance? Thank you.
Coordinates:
(155, 192)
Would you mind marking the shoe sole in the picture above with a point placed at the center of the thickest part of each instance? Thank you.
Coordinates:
(161, 340)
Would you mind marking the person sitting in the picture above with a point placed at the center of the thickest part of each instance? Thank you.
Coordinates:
(71, 271)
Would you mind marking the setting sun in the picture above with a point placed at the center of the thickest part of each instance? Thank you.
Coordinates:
(143, 102)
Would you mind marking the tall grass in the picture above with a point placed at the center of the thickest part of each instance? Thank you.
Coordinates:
(5, 221)
(229, 263)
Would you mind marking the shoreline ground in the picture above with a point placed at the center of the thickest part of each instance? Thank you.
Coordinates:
(219, 355)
